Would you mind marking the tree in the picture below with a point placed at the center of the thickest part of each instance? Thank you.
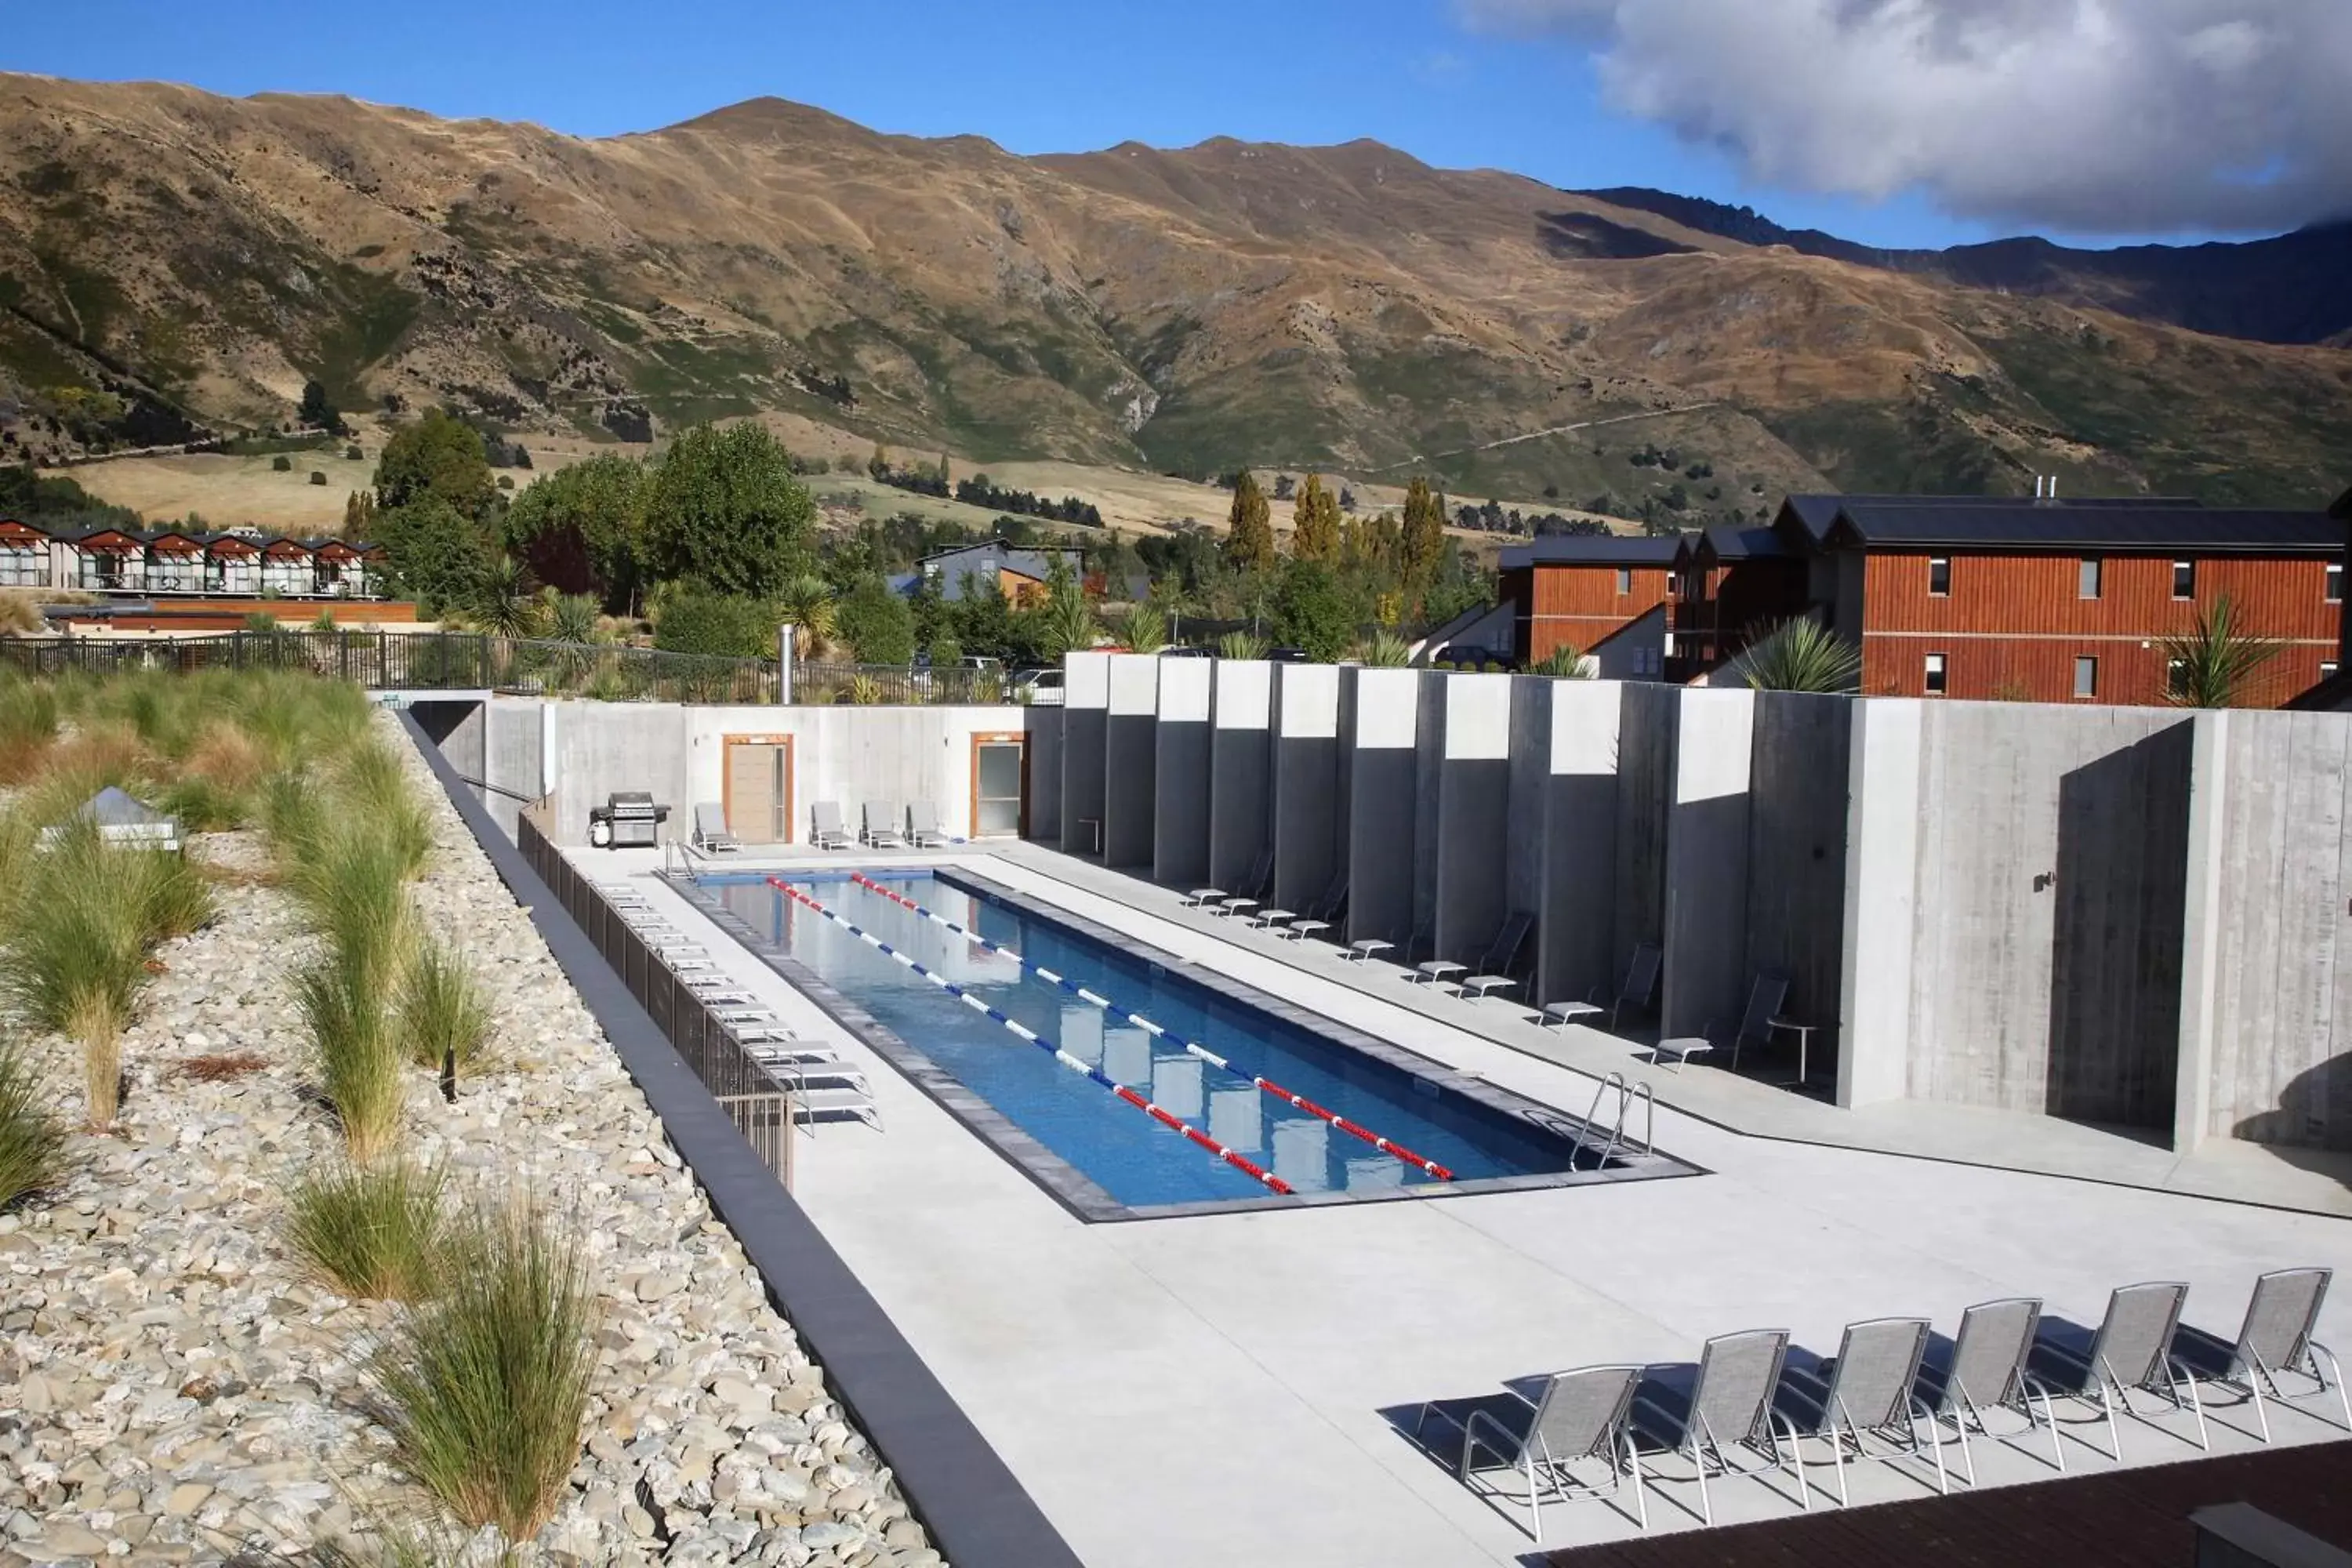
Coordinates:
(2211, 664)
(725, 509)
(1315, 523)
(579, 529)
(317, 412)
(1798, 654)
(807, 603)
(877, 623)
(1249, 540)
(1424, 534)
(878, 465)
(438, 456)
(1064, 622)
(504, 601)
(358, 515)
(722, 625)
(1283, 487)
(947, 474)
(1311, 612)
(438, 554)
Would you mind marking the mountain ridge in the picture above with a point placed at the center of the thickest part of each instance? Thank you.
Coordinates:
(1188, 309)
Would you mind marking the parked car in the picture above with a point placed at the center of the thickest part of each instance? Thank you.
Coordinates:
(1038, 687)
(1186, 650)
(1288, 656)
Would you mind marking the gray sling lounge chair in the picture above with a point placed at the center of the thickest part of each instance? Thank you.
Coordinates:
(711, 831)
(1986, 1372)
(1765, 995)
(923, 828)
(1868, 1395)
(2129, 1351)
(825, 830)
(1497, 967)
(1640, 982)
(884, 828)
(2275, 1338)
(1730, 1406)
(1580, 1415)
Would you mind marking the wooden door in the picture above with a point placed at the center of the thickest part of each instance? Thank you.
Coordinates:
(758, 790)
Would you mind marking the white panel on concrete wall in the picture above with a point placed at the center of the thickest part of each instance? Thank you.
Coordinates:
(1185, 689)
(1477, 717)
(1244, 693)
(1388, 708)
(1134, 683)
(1584, 715)
(1311, 701)
(1086, 680)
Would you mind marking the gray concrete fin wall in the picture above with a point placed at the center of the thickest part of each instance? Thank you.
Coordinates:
(1131, 760)
(1310, 823)
(1180, 841)
(1241, 772)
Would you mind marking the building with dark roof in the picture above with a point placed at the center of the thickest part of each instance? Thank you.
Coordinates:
(1578, 590)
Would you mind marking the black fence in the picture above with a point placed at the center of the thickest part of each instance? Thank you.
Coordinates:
(420, 661)
(898, 685)
(754, 1102)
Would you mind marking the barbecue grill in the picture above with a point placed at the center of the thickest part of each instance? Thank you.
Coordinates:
(629, 819)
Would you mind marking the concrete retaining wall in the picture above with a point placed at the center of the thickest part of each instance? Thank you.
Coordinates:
(1086, 704)
(1310, 827)
(1798, 804)
(1240, 770)
(1180, 841)
(1474, 815)
(1131, 760)
(1382, 782)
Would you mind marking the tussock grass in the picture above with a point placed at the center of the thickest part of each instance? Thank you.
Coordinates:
(29, 728)
(20, 612)
(487, 1385)
(442, 1013)
(77, 952)
(371, 1231)
(358, 1056)
(32, 1142)
(373, 789)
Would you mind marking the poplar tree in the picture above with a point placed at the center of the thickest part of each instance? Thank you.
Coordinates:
(1315, 524)
(1424, 529)
(1249, 542)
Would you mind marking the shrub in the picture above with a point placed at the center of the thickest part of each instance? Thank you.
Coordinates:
(716, 624)
(487, 1385)
(370, 1232)
(876, 623)
(317, 478)
(505, 481)
(1564, 662)
(442, 1014)
(281, 464)
(32, 1144)
(1241, 645)
(20, 612)
(352, 452)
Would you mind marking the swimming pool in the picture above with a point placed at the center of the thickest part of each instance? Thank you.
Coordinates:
(1130, 1084)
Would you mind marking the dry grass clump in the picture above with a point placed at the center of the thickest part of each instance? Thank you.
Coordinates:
(29, 728)
(371, 1231)
(32, 1142)
(20, 612)
(218, 1068)
(486, 1386)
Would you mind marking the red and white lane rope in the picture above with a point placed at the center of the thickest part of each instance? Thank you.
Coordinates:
(980, 1005)
(1296, 1101)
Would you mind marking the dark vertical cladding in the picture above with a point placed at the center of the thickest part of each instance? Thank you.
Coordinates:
(1381, 844)
(1179, 849)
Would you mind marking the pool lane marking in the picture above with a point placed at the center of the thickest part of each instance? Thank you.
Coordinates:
(1240, 1162)
(1393, 1150)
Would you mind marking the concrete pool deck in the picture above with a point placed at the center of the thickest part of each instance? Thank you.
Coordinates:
(1221, 1389)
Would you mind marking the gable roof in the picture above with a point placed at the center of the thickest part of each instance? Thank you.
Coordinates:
(2023, 526)
(1594, 549)
(1731, 543)
(2342, 507)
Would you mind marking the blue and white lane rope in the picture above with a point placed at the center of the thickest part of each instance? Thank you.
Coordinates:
(1297, 1102)
(980, 1005)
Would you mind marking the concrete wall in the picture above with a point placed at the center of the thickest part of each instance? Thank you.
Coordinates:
(1310, 830)
(1180, 842)
(1382, 784)
(1704, 988)
(1646, 772)
(1529, 786)
(1428, 771)
(1086, 704)
(2040, 966)
(1797, 808)
(1043, 730)
(1240, 770)
(1474, 815)
(1131, 760)
(1577, 934)
(514, 763)
(2267, 1027)
(848, 754)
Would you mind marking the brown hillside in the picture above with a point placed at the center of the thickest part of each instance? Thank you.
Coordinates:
(166, 252)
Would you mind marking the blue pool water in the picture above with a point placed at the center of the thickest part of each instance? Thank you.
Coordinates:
(1137, 1160)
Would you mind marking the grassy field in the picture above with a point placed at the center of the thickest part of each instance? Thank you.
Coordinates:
(225, 490)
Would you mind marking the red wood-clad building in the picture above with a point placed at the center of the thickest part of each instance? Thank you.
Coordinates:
(2062, 601)
(1578, 590)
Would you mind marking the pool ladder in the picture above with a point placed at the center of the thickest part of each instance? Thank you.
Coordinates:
(1627, 1093)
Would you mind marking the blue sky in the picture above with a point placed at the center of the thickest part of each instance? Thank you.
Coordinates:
(1033, 75)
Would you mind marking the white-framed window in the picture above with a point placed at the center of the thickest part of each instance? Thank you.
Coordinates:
(2184, 579)
(1624, 581)
(1939, 576)
(1935, 675)
(2086, 676)
(2088, 580)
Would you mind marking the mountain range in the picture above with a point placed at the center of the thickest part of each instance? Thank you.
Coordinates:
(173, 262)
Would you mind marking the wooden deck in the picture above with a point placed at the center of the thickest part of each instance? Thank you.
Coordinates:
(2137, 1517)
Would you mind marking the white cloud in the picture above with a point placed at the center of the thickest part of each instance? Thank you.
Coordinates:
(2115, 116)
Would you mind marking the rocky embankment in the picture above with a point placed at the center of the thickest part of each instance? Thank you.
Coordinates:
(174, 1389)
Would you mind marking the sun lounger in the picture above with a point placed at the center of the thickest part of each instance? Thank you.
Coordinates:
(883, 826)
(1559, 1015)
(1581, 1416)
(710, 832)
(1729, 1407)
(2275, 1339)
(1437, 972)
(1986, 1372)
(1869, 1393)
(1299, 929)
(923, 826)
(825, 830)
(1201, 898)
(1480, 986)
(1364, 948)
(1641, 981)
(2129, 1351)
